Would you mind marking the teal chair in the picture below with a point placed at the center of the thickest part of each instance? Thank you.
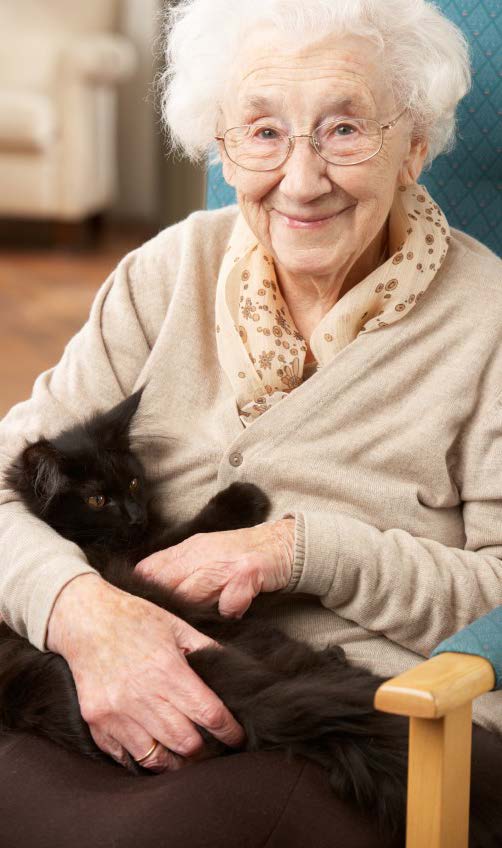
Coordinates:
(437, 695)
(467, 183)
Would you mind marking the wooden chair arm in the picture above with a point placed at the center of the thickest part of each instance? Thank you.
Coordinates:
(436, 687)
(437, 696)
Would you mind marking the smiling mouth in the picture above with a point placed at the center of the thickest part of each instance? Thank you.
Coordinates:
(309, 223)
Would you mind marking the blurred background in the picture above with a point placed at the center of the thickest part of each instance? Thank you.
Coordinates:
(84, 174)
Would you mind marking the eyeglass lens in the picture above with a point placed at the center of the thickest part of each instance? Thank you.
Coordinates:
(264, 147)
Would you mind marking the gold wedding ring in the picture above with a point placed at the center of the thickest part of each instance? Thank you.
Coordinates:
(148, 753)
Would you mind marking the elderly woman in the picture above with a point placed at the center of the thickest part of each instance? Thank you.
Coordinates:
(329, 339)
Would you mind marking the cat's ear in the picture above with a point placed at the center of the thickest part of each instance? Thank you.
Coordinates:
(42, 467)
(113, 426)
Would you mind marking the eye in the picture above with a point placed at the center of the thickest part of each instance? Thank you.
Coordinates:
(344, 129)
(96, 501)
(266, 134)
(134, 485)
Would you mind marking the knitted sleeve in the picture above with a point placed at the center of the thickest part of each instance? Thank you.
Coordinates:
(101, 365)
(415, 591)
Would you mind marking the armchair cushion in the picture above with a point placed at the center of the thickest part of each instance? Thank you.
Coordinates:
(31, 61)
(27, 120)
(102, 58)
(38, 63)
(50, 15)
(483, 638)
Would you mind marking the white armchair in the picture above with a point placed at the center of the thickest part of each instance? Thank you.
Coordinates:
(60, 63)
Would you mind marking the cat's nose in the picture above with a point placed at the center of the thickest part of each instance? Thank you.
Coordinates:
(135, 515)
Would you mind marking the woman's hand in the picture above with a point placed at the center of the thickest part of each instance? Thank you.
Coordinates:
(231, 567)
(127, 657)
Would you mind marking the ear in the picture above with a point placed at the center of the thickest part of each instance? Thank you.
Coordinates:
(42, 466)
(412, 165)
(113, 426)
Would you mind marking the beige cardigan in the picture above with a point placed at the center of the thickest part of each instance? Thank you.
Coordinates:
(390, 457)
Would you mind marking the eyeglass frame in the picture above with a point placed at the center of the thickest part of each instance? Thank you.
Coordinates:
(313, 142)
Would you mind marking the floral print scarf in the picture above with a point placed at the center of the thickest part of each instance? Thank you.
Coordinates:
(259, 347)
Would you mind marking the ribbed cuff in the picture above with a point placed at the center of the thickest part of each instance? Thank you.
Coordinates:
(299, 550)
(317, 546)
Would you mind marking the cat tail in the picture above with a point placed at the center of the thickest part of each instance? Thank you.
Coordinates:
(38, 695)
(327, 715)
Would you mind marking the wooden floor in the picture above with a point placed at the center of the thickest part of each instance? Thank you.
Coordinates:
(45, 297)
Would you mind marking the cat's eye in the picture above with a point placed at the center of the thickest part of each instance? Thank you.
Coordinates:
(134, 485)
(96, 501)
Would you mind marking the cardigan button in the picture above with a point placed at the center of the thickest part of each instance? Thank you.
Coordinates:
(235, 459)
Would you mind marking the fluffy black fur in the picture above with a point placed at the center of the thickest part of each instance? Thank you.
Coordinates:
(286, 695)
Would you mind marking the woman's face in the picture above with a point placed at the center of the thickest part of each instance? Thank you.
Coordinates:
(315, 218)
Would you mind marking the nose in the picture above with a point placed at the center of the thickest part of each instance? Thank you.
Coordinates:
(135, 514)
(305, 173)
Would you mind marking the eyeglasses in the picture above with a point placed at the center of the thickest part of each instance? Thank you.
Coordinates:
(343, 141)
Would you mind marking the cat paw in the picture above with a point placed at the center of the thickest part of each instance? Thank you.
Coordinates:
(241, 505)
(335, 654)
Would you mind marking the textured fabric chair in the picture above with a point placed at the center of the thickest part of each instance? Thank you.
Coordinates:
(437, 695)
(59, 66)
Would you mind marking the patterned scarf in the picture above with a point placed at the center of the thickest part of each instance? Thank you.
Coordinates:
(259, 347)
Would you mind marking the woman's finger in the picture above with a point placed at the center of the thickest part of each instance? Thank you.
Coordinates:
(204, 586)
(170, 562)
(161, 760)
(173, 729)
(109, 745)
(239, 593)
(129, 736)
(123, 743)
(192, 698)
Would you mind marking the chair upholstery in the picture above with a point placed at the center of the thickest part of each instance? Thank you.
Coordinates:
(59, 66)
(50, 15)
(27, 121)
(483, 638)
(466, 183)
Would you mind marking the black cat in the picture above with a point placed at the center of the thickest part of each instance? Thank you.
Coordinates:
(90, 487)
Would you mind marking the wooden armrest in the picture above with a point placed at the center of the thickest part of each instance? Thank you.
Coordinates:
(436, 687)
(437, 696)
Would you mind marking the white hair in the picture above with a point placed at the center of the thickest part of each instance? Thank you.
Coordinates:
(426, 59)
